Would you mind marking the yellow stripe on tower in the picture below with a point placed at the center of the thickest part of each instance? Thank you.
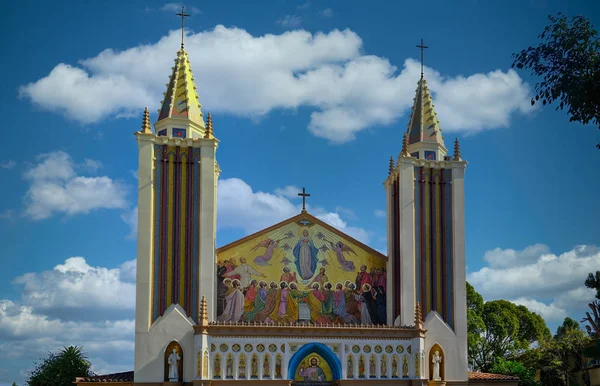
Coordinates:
(427, 220)
(170, 183)
(182, 230)
(438, 244)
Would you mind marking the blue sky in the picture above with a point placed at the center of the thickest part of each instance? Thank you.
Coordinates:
(313, 94)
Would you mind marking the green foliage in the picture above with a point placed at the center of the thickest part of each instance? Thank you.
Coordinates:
(568, 59)
(562, 362)
(60, 369)
(526, 375)
(499, 329)
(593, 319)
(593, 282)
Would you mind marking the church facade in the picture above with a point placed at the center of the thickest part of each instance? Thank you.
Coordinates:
(299, 302)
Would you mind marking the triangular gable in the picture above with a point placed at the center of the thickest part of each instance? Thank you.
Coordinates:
(297, 219)
(306, 256)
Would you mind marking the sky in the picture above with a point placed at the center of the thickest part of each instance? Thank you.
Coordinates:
(310, 94)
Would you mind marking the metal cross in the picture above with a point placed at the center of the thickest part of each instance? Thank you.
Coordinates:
(304, 195)
(422, 47)
(183, 16)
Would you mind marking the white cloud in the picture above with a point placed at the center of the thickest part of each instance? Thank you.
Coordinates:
(379, 213)
(326, 12)
(75, 285)
(240, 207)
(131, 218)
(55, 188)
(304, 5)
(176, 8)
(290, 21)
(550, 312)
(91, 166)
(550, 284)
(241, 74)
(102, 303)
(10, 164)
(290, 191)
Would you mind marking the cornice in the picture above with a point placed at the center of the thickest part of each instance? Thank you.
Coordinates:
(172, 141)
(349, 331)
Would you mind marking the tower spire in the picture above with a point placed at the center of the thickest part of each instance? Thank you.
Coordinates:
(183, 16)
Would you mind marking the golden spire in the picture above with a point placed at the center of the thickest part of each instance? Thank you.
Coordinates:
(209, 127)
(391, 166)
(183, 16)
(456, 151)
(146, 122)
(203, 316)
(404, 152)
(418, 316)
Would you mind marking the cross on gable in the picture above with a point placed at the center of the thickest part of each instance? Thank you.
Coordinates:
(304, 195)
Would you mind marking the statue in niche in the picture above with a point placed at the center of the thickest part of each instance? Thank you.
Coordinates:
(229, 366)
(405, 366)
(205, 364)
(394, 367)
(217, 367)
(199, 363)
(383, 367)
(350, 365)
(278, 366)
(242, 366)
(266, 367)
(372, 367)
(254, 367)
(437, 359)
(361, 367)
(417, 366)
(173, 369)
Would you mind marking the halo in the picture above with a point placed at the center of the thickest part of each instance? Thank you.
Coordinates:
(327, 282)
(283, 281)
(366, 285)
(301, 231)
(313, 357)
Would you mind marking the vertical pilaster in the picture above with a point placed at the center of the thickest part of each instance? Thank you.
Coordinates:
(391, 285)
(407, 241)
(459, 267)
(143, 294)
(207, 224)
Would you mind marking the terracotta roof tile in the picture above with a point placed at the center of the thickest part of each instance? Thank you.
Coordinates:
(476, 376)
(127, 376)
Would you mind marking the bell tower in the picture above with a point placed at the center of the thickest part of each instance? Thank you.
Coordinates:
(426, 235)
(177, 190)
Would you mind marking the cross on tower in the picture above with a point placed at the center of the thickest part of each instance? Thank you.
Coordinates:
(304, 195)
(422, 47)
(183, 16)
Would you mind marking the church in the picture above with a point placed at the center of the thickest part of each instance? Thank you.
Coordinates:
(298, 303)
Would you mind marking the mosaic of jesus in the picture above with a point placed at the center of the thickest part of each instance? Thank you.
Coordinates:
(301, 270)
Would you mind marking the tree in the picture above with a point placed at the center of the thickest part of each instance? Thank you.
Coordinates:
(499, 329)
(568, 59)
(60, 368)
(593, 329)
(562, 362)
(517, 369)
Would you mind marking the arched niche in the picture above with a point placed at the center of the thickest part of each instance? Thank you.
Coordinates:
(168, 351)
(432, 350)
(315, 348)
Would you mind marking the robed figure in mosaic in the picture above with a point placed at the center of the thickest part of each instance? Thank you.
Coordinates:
(305, 253)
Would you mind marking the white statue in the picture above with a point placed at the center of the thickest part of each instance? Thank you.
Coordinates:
(437, 359)
(173, 370)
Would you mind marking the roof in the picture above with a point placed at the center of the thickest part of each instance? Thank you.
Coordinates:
(181, 99)
(424, 125)
(298, 218)
(126, 376)
(477, 376)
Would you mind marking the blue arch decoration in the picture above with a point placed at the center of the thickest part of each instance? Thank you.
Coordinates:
(317, 348)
